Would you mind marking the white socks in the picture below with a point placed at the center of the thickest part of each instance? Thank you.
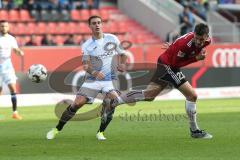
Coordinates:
(192, 114)
(132, 96)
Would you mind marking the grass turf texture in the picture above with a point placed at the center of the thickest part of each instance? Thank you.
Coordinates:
(135, 138)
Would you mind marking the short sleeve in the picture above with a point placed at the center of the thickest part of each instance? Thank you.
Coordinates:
(14, 43)
(85, 54)
(119, 47)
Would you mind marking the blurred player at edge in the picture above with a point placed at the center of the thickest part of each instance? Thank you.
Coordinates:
(7, 73)
(187, 49)
(102, 57)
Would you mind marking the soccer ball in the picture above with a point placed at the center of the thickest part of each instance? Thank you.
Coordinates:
(37, 73)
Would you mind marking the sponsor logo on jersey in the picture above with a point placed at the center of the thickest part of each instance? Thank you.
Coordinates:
(181, 54)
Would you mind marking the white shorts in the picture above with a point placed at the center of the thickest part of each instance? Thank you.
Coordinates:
(90, 89)
(7, 74)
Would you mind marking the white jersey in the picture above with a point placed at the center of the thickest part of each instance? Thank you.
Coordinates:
(7, 73)
(101, 53)
(7, 43)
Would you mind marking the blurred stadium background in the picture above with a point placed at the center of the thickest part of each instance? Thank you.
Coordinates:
(147, 24)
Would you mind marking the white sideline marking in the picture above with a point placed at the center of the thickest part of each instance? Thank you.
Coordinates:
(53, 98)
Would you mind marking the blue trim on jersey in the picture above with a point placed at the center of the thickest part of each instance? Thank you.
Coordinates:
(93, 38)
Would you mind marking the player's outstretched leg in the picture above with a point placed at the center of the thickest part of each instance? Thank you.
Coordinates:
(112, 100)
(134, 96)
(66, 116)
(109, 105)
(124, 98)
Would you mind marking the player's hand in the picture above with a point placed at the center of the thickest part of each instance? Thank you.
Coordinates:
(121, 67)
(166, 45)
(18, 51)
(202, 55)
(98, 75)
(21, 53)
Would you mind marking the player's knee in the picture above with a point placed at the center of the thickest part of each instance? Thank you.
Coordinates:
(113, 102)
(106, 101)
(149, 96)
(79, 101)
(193, 97)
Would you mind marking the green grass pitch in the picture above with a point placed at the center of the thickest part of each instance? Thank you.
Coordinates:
(132, 135)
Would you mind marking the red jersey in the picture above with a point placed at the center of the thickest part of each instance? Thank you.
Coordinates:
(182, 51)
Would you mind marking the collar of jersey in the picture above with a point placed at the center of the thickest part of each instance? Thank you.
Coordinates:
(96, 39)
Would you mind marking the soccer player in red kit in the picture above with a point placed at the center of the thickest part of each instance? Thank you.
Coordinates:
(187, 49)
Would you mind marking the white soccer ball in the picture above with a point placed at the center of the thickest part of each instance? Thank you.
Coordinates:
(37, 73)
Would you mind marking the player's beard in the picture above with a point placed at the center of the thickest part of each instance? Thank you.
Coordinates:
(199, 45)
(4, 32)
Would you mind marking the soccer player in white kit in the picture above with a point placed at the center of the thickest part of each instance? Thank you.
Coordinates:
(7, 73)
(102, 57)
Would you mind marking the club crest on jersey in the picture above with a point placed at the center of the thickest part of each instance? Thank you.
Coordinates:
(110, 46)
(181, 54)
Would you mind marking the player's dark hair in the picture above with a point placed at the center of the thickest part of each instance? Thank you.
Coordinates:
(3, 21)
(201, 29)
(94, 16)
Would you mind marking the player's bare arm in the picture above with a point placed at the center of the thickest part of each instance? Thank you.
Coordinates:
(18, 51)
(87, 66)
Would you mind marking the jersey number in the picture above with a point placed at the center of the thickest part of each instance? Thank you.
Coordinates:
(180, 75)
